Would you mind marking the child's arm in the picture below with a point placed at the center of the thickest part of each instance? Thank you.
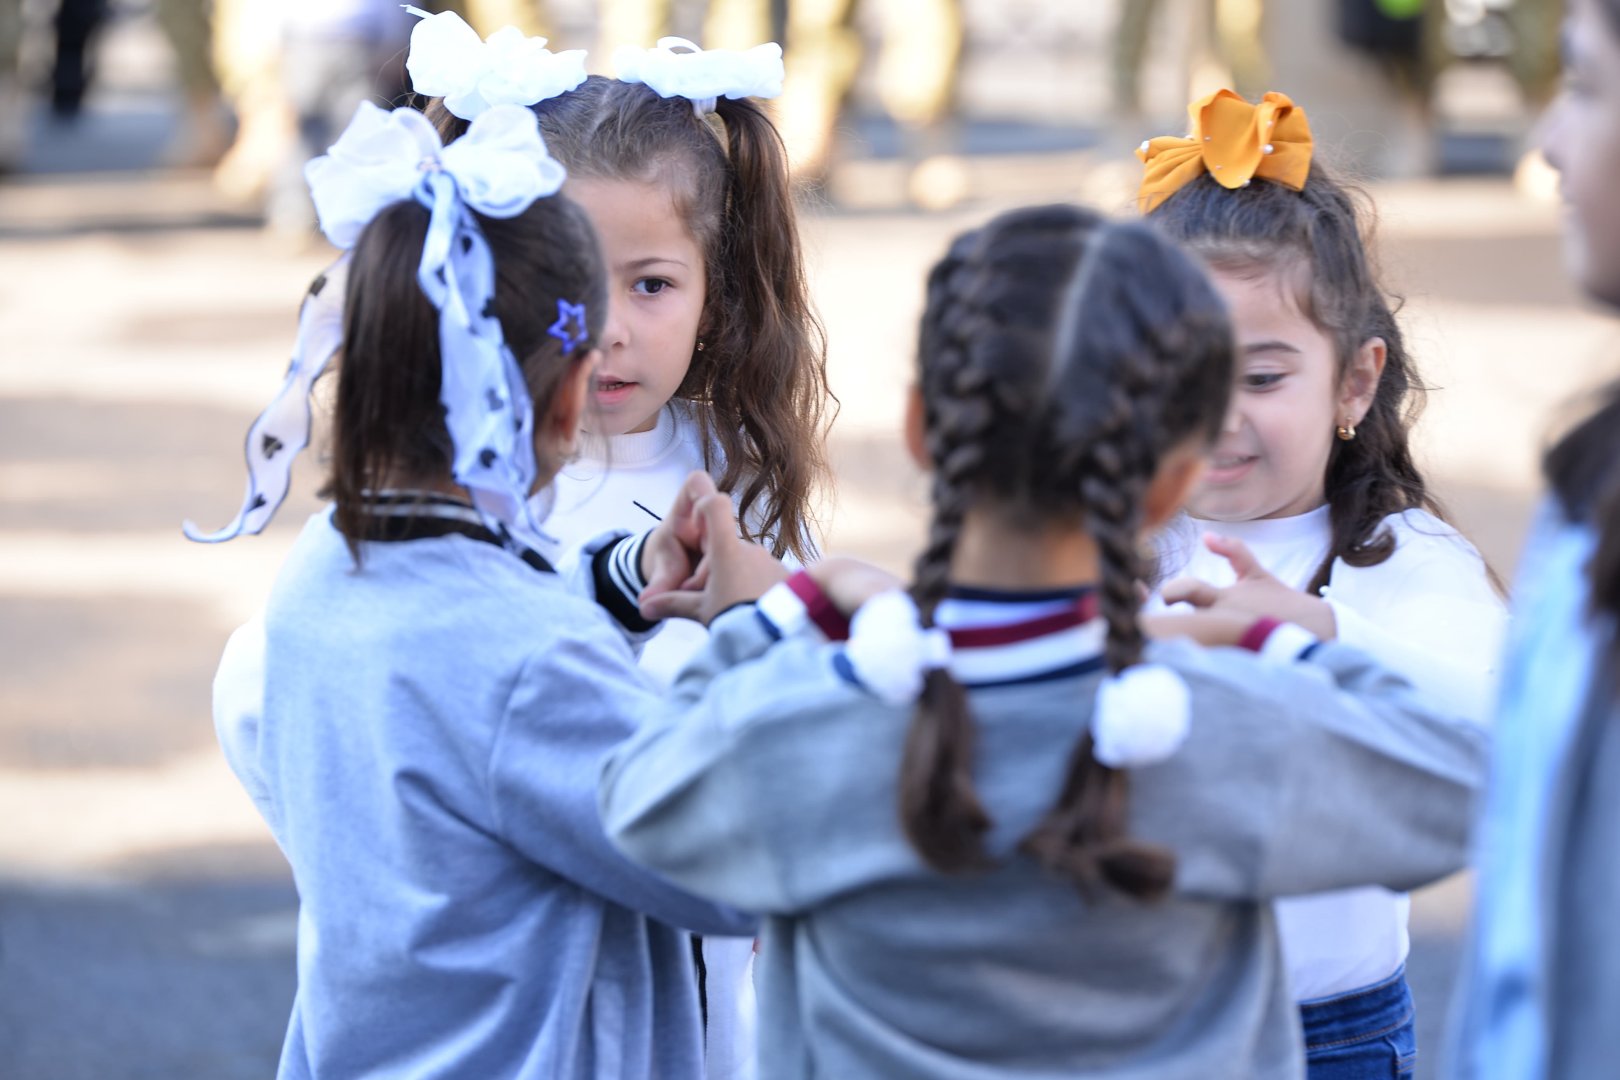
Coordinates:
(699, 795)
(571, 706)
(1428, 612)
(1314, 768)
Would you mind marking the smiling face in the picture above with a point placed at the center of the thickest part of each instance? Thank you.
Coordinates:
(1581, 137)
(656, 289)
(1271, 459)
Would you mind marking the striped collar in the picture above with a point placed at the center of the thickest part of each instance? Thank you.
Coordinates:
(1010, 638)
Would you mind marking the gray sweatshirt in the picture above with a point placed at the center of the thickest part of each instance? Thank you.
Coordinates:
(772, 787)
(432, 731)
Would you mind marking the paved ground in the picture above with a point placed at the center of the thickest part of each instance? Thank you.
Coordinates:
(146, 921)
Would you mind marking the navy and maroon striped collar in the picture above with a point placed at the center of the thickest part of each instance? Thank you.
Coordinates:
(1009, 638)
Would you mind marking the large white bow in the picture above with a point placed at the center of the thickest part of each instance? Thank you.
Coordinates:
(676, 67)
(500, 166)
(448, 60)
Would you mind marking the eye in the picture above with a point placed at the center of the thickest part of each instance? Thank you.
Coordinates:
(1262, 380)
(650, 286)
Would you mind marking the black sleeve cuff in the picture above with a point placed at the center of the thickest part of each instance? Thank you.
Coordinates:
(616, 570)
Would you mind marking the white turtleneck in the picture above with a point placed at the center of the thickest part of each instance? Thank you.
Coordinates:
(1428, 612)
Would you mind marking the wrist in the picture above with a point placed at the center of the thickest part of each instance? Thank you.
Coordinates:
(800, 605)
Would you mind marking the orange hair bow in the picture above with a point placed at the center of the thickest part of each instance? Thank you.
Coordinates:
(1234, 142)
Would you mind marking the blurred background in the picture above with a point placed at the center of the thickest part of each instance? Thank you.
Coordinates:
(155, 241)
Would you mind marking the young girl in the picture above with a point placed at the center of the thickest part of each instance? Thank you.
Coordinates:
(436, 699)
(1314, 509)
(1545, 956)
(713, 358)
(998, 847)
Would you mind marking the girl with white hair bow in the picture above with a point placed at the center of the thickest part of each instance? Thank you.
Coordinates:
(432, 697)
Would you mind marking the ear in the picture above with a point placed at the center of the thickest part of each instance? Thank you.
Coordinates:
(557, 432)
(1179, 473)
(916, 430)
(1360, 383)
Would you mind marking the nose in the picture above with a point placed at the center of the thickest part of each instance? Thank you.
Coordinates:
(614, 332)
(1232, 422)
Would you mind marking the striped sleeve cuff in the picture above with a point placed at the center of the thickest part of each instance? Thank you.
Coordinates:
(798, 606)
(1279, 642)
(619, 582)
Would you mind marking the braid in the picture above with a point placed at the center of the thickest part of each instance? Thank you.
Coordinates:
(1043, 429)
(1085, 834)
(939, 808)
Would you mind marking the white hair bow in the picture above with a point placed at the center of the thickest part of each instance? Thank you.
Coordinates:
(448, 60)
(499, 168)
(675, 67)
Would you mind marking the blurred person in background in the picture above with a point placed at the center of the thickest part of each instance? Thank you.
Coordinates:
(1226, 35)
(205, 135)
(727, 24)
(917, 81)
(334, 54)
(1542, 985)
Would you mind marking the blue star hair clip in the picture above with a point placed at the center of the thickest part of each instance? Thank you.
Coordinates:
(570, 326)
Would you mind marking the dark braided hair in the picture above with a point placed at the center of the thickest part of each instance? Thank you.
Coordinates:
(1061, 359)
(1324, 228)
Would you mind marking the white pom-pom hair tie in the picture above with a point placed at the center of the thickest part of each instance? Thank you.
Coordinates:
(889, 649)
(1142, 717)
(676, 67)
(449, 61)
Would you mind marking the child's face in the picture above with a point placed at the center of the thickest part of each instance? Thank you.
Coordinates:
(1271, 458)
(1581, 137)
(656, 288)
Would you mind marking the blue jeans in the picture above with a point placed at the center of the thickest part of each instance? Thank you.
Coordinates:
(1366, 1034)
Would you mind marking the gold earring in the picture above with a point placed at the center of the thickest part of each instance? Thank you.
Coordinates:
(1347, 431)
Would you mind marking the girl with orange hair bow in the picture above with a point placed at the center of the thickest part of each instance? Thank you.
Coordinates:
(1322, 515)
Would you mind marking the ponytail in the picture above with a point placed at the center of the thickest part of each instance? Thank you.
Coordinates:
(763, 372)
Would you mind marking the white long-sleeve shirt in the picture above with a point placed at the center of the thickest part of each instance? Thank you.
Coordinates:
(1429, 612)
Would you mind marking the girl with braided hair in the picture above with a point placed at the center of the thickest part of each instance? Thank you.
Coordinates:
(995, 833)
(1315, 510)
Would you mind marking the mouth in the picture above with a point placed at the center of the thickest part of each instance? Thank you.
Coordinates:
(610, 390)
(1229, 468)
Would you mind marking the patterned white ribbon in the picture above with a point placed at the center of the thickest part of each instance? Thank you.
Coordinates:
(499, 168)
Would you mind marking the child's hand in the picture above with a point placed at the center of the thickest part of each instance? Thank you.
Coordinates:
(849, 583)
(672, 556)
(727, 571)
(1255, 593)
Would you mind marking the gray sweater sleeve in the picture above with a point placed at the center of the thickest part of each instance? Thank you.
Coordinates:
(1324, 774)
(689, 795)
(572, 704)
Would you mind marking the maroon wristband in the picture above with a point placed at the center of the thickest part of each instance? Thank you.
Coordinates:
(819, 606)
(1254, 638)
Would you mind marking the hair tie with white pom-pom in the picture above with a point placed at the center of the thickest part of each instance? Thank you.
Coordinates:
(676, 67)
(1142, 717)
(449, 60)
(889, 649)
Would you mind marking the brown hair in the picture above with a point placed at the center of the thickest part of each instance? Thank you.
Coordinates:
(1325, 228)
(1584, 470)
(388, 424)
(1061, 358)
(762, 375)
